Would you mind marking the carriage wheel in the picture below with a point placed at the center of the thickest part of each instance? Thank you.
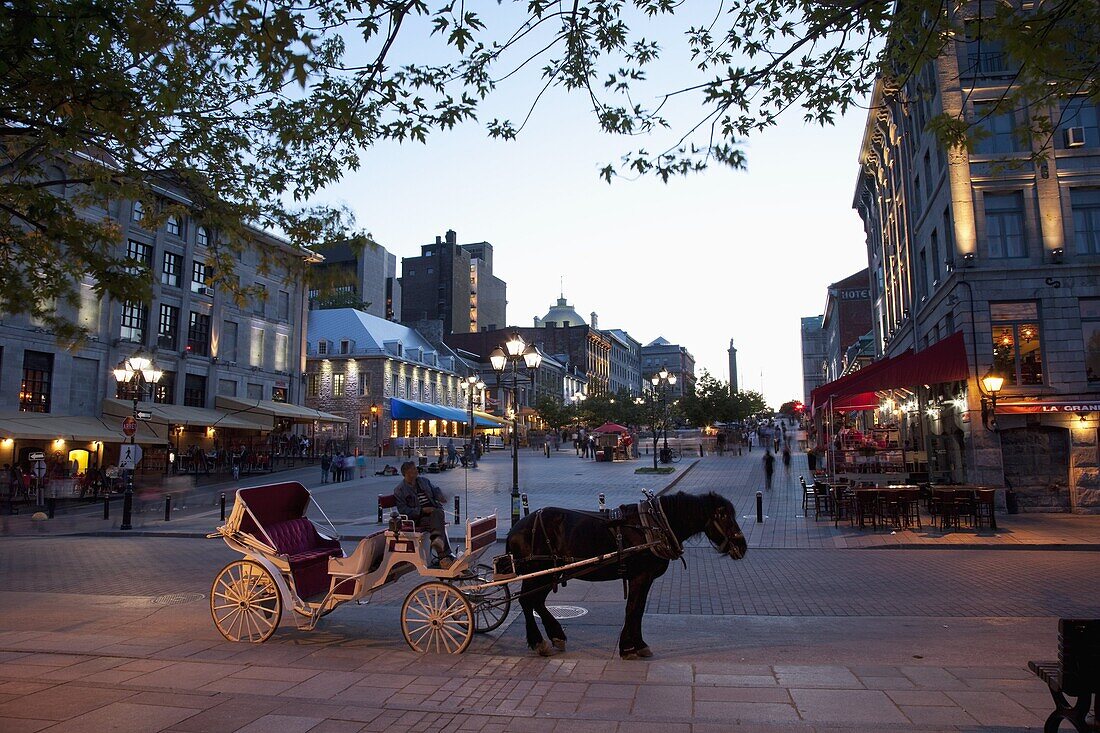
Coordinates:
(491, 605)
(245, 602)
(436, 617)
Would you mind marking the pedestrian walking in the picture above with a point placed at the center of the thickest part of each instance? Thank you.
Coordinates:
(787, 457)
(326, 466)
(452, 454)
(769, 468)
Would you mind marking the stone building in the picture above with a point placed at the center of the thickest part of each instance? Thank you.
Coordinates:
(626, 361)
(677, 359)
(454, 283)
(1003, 248)
(813, 356)
(368, 273)
(386, 379)
(847, 317)
(206, 345)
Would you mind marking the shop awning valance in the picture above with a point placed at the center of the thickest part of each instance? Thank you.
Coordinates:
(278, 410)
(183, 415)
(412, 410)
(73, 428)
(944, 361)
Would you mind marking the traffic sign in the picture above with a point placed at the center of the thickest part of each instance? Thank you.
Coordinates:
(39, 469)
(129, 456)
(37, 456)
(144, 415)
(129, 426)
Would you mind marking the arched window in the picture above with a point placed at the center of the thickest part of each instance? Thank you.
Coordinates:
(201, 237)
(173, 225)
(137, 212)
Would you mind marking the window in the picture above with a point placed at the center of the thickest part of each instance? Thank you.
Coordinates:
(364, 424)
(1004, 224)
(88, 313)
(227, 343)
(140, 254)
(198, 277)
(227, 387)
(173, 226)
(928, 176)
(364, 384)
(430, 271)
(284, 305)
(1081, 113)
(198, 334)
(994, 132)
(918, 206)
(345, 347)
(255, 391)
(338, 384)
(948, 237)
(983, 55)
(278, 394)
(408, 388)
(164, 392)
(201, 237)
(258, 300)
(1017, 352)
(168, 326)
(313, 385)
(922, 274)
(935, 255)
(133, 322)
(34, 392)
(170, 269)
(137, 211)
(1086, 219)
(194, 390)
(256, 354)
(322, 348)
(1090, 330)
(282, 351)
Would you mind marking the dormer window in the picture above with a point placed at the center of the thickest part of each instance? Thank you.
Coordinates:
(322, 348)
(345, 346)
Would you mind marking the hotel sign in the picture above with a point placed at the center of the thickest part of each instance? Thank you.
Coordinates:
(856, 294)
(1020, 408)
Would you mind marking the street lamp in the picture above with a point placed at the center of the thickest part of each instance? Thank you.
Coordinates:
(138, 371)
(514, 351)
(474, 384)
(990, 385)
(662, 381)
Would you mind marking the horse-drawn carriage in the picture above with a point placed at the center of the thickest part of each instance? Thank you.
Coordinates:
(289, 563)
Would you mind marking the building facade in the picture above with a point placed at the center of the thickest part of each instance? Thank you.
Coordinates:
(454, 283)
(625, 361)
(847, 317)
(206, 344)
(364, 270)
(357, 363)
(1003, 247)
(659, 353)
(813, 356)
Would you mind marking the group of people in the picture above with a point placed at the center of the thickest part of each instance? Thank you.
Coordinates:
(341, 467)
(469, 457)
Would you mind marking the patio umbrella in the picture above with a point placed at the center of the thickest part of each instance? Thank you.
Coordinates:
(610, 427)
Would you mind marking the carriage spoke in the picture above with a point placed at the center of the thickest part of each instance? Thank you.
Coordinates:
(245, 602)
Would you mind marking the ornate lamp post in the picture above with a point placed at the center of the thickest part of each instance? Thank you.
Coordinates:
(138, 371)
(473, 385)
(512, 353)
(662, 381)
(990, 385)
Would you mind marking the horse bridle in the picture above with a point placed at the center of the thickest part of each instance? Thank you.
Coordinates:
(727, 541)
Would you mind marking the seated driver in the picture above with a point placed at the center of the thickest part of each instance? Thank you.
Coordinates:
(422, 501)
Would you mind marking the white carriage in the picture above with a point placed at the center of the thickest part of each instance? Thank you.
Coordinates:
(290, 563)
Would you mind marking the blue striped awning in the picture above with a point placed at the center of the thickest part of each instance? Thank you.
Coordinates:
(412, 410)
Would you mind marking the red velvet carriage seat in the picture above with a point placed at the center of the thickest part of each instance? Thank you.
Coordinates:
(279, 511)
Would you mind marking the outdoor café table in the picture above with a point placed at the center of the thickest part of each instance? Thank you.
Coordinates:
(862, 500)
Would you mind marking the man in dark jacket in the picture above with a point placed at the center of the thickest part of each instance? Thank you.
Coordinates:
(422, 501)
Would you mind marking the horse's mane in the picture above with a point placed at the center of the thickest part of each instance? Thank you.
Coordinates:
(689, 513)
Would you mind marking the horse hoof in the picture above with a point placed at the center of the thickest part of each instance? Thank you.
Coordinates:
(544, 650)
(645, 652)
(559, 644)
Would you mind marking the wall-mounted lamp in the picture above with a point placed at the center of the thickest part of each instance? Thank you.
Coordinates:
(968, 259)
(990, 385)
(1056, 254)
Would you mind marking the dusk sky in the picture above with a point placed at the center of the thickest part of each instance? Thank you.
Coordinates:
(699, 260)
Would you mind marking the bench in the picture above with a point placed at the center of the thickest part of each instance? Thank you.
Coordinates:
(1076, 673)
(307, 553)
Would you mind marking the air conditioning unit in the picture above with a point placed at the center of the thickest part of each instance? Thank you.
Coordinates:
(1075, 137)
(203, 291)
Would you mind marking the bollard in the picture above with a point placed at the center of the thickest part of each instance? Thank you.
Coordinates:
(759, 507)
(223, 508)
(106, 507)
(700, 450)
(456, 510)
(51, 505)
(526, 508)
(602, 502)
(167, 507)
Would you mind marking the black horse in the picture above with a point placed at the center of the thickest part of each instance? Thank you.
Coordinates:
(553, 537)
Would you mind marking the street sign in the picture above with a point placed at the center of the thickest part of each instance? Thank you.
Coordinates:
(129, 426)
(144, 415)
(39, 469)
(129, 456)
(37, 456)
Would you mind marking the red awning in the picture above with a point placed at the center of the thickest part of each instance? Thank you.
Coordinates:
(944, 361)
(858, 401)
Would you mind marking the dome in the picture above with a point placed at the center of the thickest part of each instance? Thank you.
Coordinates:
(561, 315)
